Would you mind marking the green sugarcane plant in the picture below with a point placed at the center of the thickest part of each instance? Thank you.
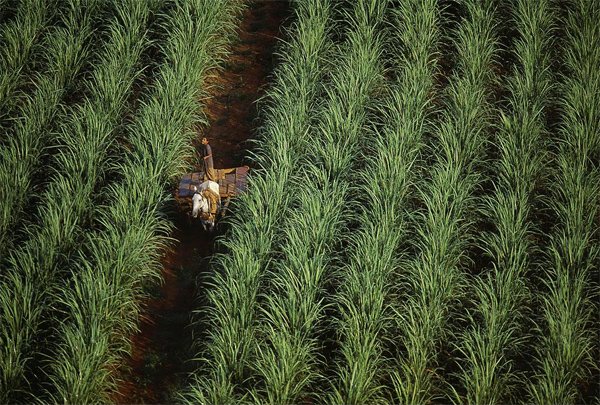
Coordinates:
(8, 9)
(86, 137)
(65, 50)
(385, 184)
(434, 280)
(19, 37)
(288, 115)
(17, 161)
(565, 356)
(287, 365)
(498, 318)
(124, 253)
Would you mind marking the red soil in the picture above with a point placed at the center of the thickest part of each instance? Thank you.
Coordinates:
(231, 111)
(161, 355)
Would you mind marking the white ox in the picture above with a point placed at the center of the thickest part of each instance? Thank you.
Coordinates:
(201, 204)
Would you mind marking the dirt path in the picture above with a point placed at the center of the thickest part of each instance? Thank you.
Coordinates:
(161, 351)
(232, 112)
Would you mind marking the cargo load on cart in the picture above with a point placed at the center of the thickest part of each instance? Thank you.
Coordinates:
(207, 200)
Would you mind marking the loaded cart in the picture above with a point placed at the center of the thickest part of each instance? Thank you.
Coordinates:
(231, 182)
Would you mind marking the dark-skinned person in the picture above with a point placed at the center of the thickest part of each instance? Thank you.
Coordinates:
(209, 170)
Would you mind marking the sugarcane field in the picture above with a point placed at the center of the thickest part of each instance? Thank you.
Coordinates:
(300, 202)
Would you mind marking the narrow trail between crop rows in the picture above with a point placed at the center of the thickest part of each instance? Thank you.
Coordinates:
(161, 352)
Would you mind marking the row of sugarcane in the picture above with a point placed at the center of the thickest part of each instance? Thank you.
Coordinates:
(287, 365)
(263, 347)
(19, 39)
(124, 250)
(288, 118)
(70, 291)
(434, 279)
(66, 49)
(387, 184)
(499, 320)
(20, 296)
(369, 287)
(36, 269)
(569, 323)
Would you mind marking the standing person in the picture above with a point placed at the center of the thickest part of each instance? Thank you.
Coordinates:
(209, 170)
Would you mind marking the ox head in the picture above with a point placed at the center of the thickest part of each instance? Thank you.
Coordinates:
(201, 210)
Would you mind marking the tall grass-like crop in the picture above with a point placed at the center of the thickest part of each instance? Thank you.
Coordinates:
(18, 39)
(102, 304)
(385, 183)
(435, 279)
(289, 114)
(34, 267)
(7, 10)
(287, 364)
(496, 333)
(65, 51)
(565, 354)
(17, 162)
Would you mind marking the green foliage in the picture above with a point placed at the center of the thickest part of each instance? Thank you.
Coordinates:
(289, 112)
(86, 136)
(287, 365)
(345, 277)
(102, 304)
(435, 279)
(19, 38)
(385, 184)
(25, 283)
(65, 51)
(565, 356)
(496, 330)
